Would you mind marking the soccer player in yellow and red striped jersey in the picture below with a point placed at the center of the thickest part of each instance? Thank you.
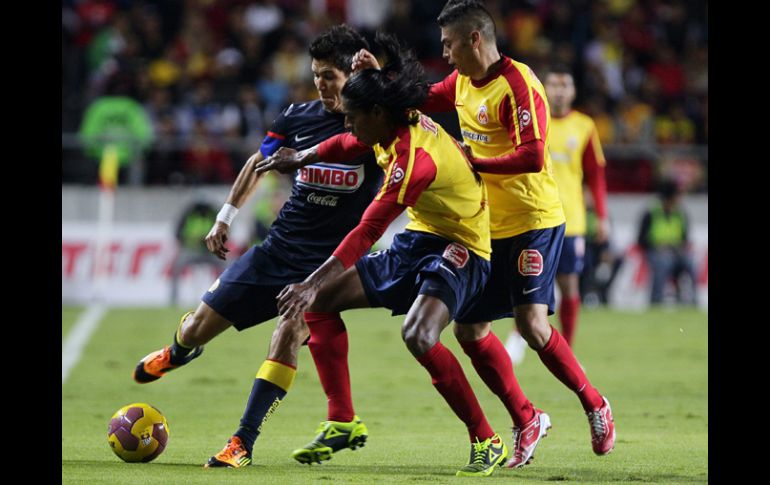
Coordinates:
(577, 157)
(504, 118)
(433, 271)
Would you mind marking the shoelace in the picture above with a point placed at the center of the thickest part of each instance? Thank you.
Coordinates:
(516, 438)
(230, 450)
(598, 424)
(479, 457)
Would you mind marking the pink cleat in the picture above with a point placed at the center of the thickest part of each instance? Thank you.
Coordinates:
(526, 438)
(602, 429)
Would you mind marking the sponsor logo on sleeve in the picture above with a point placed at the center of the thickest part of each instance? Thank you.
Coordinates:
(525, 118)
(396, 176)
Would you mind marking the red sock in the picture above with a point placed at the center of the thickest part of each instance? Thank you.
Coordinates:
(450, 381)
(494, 366)
(558, 357)
(328, 345)
(568, 314)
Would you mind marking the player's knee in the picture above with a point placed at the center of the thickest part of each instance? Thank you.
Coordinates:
(294, 330)
(471, 332)
(417, 338)
(534, 328)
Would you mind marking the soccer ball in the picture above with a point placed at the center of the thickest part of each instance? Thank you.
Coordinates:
(138, 432)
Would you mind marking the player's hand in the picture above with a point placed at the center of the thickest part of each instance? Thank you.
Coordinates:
(364, 59)
(284, 160)
(294, 299)
(602, 231)
(467, 150)
(216, 239)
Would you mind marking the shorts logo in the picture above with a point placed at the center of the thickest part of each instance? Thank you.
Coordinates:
(530, 262)
(214, 286)
(482, 115)
(524, 117)
(397, 176)
(457, 254)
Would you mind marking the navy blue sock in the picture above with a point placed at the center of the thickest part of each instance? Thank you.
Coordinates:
(178, 351)
(270, 386)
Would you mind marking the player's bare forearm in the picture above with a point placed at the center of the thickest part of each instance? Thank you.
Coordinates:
(287, 160)
(246, 181)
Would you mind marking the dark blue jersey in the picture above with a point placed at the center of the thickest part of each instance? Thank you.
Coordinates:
(327, 199)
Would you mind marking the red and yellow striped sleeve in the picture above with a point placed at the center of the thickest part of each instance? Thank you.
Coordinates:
(593, 172)
(408, 175)
(529, 121)
(441, 97)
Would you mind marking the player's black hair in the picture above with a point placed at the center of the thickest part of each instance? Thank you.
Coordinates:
(468, 15)
(399, 88)
(338, 45)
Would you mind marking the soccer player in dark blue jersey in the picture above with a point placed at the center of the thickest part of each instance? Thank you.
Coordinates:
(326, 203)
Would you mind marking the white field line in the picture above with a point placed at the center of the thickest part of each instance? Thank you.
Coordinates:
(78, 338)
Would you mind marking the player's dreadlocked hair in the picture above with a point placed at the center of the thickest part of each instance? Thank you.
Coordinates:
(468, 15)
(399, 88)
(338, 45)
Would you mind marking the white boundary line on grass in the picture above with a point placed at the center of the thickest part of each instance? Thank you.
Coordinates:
(79, 336)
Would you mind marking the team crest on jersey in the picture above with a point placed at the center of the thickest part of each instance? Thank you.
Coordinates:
(396, 176)
(457, 254)
(525, 117)
(482, 115)
(572, 143)
(530, 262)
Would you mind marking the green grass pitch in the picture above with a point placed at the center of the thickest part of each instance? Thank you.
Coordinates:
(651, 365)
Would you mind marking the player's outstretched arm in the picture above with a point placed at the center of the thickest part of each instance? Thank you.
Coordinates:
(287, 160)
(241, 190)
(297, 298)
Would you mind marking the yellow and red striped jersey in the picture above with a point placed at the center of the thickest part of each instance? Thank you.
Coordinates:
(575, 149)
(426, 170)
(496, 115)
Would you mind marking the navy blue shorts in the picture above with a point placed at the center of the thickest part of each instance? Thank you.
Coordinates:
(523, 272)
(572, 255)
(245, 292)
(419, 263)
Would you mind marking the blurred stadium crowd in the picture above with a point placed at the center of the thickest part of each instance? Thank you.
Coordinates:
(209, 76)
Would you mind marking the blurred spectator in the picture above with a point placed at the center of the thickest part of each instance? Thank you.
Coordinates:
(205, 161)
(164, 160)
(636, 123)
(674, 127)
(631, 59)
(663, 235)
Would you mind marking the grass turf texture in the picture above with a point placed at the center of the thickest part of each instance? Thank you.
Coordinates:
(651, 365)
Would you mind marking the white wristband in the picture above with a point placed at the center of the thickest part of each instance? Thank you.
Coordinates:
(227, 213)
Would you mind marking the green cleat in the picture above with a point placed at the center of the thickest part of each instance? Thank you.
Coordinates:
(485, 457)
(333, 436)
